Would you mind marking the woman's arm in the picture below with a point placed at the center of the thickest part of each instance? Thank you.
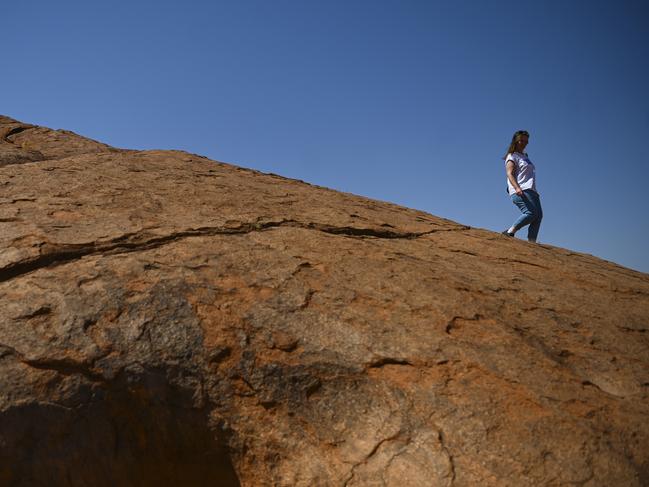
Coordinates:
(512, 178)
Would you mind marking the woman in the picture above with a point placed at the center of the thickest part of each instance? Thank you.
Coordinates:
(521, 186)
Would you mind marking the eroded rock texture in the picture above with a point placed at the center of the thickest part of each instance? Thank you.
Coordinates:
(170, 320)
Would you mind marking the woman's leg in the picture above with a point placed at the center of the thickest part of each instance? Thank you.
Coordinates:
(527, 211)
(535, 201)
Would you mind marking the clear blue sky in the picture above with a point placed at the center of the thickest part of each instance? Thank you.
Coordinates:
(409, 101)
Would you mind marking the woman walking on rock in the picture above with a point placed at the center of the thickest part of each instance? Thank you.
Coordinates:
(521, 186)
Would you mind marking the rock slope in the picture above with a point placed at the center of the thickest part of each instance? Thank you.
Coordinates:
(171, 320)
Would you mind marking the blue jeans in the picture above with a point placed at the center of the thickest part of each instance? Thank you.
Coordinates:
(530, 206)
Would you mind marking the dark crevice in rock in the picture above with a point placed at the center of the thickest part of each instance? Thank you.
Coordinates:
(451, 461)
(65, 367)
(40, 311)
(388, 361)
(60, 254)
(587, 383)
(517, 261)
(373, 452)
(6, 350)
(136, 431)
(465, 252)
(372, 232)
(16, 130)
(632, 330)
(43, 261)
(219, 354)
(61, 366)
(379, 444)
(361, 232)
(453, 322)
(17, 154)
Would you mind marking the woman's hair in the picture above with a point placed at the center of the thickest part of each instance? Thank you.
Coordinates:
(512, 146)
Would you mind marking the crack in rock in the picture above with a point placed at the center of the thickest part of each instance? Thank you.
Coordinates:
(453, 322)
(518, 261)
(61, 366)
(59, 254)
(445, 449)
(6, 350)
(65, 367)
(16, 130)
(387, 361)
(374, 450)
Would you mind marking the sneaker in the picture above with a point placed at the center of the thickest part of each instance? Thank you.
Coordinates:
(506, 232)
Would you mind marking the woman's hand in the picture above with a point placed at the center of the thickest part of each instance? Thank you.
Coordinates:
(519, 191)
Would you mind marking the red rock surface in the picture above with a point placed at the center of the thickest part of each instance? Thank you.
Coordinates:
(171, 320)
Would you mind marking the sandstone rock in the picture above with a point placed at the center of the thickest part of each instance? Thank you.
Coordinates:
(171, 320)
(21, 142)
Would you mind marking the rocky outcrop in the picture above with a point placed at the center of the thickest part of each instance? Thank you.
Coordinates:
(171, 320)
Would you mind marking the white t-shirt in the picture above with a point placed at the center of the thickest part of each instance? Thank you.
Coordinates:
(523, 172)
